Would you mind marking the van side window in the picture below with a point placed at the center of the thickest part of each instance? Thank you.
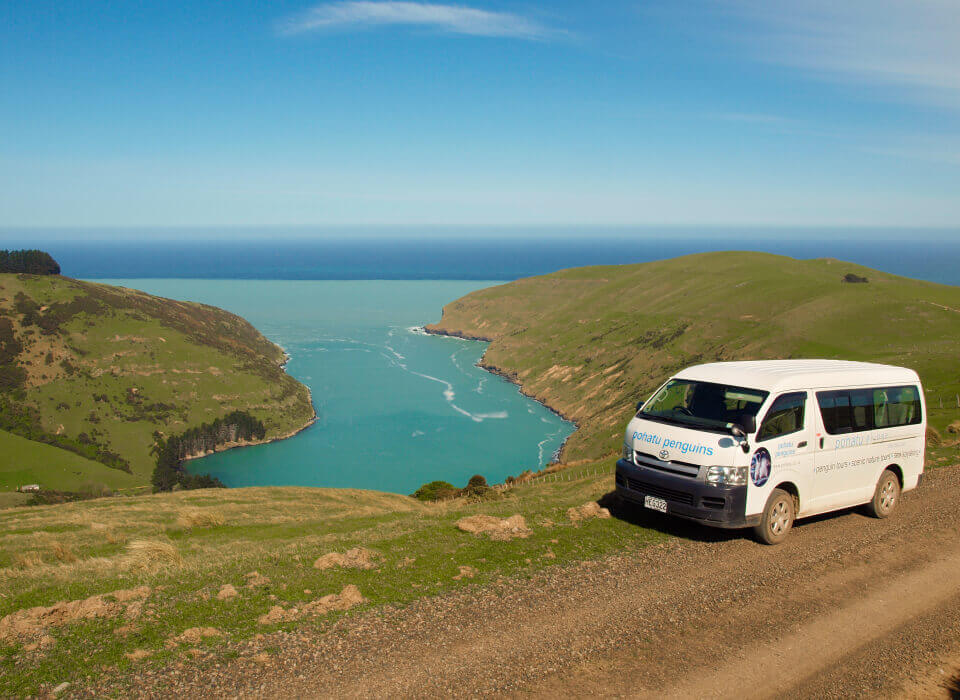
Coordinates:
(857, 410)
(784, 417)
(895, 406)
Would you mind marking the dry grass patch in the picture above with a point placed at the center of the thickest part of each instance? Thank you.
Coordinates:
(152, 555)
(62, 552)
(27, 560)
(200, 517)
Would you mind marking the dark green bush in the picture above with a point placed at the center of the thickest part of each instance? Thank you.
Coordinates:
(436, 491)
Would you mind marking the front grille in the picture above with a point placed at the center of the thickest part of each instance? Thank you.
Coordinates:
(645, 459)
(661, 491)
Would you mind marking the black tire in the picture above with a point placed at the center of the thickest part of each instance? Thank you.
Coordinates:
(777, 518)
(886, 497)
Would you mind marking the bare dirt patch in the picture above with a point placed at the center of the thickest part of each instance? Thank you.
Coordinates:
(31, 622)
(255, 579)
(194, 635)
(498, 529)
(587, 511)
(227, 592)
(344, 600)
(465, 572)
(356, 558)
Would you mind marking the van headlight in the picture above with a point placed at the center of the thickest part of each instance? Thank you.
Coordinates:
(627, 452)
(727, 476)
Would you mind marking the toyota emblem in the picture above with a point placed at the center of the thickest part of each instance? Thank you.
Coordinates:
(664, 455)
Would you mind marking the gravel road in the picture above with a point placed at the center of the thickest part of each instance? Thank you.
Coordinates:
(847, 606)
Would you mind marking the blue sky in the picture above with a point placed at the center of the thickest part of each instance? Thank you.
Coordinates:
(774, 112)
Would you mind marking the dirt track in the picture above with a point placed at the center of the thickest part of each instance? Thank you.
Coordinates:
(847, 606)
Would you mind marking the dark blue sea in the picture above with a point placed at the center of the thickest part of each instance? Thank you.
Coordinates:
(462, 254)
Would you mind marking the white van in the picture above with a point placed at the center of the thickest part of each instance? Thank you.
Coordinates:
(741, 444)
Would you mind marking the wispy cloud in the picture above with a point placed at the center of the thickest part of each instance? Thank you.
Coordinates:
(911, 46)
(452, 19)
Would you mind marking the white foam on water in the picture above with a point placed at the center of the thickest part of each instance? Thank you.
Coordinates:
(449, 394)
(417, 433)
(542, 443)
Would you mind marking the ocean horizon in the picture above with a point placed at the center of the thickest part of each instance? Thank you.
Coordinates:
(481, 254)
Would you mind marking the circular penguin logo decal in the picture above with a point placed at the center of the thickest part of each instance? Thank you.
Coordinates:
(760, 467)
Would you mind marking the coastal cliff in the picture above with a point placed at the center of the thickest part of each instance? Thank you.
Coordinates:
(591, 342)
(103, 371)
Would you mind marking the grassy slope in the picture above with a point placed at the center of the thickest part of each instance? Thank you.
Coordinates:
(278, 532)
(592, 341)
(23, 461)
(188, 363)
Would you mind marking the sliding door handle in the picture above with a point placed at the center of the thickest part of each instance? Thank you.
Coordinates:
(801, 444)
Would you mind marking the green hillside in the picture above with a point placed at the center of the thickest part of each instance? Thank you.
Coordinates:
(590, 342)
(24, 461)
(98, 370)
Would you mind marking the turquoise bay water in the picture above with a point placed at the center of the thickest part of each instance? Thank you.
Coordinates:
(396, 407)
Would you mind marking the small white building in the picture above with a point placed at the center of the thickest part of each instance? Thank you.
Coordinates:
(29, 488)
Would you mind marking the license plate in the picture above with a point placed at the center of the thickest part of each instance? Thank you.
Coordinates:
(654, 503)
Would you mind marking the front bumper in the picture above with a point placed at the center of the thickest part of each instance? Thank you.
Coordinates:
(717, 506)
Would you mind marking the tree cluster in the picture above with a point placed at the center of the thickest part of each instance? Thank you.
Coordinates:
(171, 452)
(31, 262)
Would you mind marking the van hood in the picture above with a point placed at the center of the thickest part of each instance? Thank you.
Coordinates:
(673, 443)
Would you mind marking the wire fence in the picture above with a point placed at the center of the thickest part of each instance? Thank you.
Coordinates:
(571, 474)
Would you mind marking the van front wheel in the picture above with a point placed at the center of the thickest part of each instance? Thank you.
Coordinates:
(886, 497)
(777, 518)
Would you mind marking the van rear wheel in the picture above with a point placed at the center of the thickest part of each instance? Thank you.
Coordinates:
(886, 497)
(777, 518)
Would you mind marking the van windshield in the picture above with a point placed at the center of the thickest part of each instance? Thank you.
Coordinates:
(702, 404)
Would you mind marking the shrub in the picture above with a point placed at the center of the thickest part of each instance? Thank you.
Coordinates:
(477, 481)
(436, 491)
(477, 488)
(851, 278)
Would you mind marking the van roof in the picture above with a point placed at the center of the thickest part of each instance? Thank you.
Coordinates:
(784, 375)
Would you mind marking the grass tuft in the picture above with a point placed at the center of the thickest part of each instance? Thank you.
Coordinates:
(200, 517)
(62, 552)
(27, 560)
(152, 555)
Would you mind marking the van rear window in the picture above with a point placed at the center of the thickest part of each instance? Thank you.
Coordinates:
(857, 410)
